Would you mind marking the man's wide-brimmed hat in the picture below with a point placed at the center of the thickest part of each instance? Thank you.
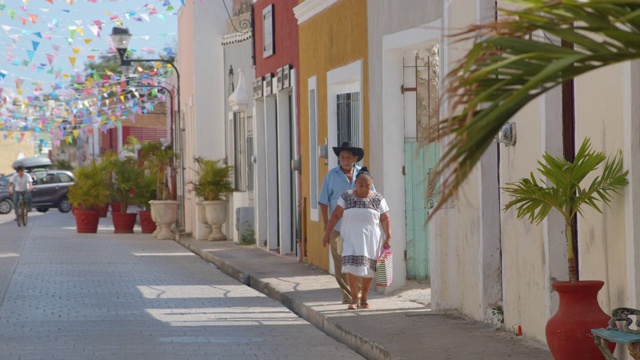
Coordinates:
(346, 146)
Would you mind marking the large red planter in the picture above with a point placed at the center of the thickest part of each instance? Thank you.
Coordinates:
(86, 220)
(115, 207)
(146, 223)
(103, 210)
(123, 223)
(569, 330)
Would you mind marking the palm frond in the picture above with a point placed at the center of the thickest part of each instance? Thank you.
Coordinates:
(518, 58)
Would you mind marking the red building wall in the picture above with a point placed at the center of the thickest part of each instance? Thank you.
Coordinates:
(286, 49)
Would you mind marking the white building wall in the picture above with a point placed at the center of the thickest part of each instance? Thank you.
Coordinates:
(208, 76)
(534, 256)
(599, 116)
(394, 29)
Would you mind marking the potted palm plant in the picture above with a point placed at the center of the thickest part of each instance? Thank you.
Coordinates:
(87, 194)
(534, 200)
(126, 176)
(213, 186)
(146, 192)
(159, 159)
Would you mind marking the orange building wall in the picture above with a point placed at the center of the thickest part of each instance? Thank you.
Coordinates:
(331, 39)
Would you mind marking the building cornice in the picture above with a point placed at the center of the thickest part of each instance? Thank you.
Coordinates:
(309, 8)
(235, 38)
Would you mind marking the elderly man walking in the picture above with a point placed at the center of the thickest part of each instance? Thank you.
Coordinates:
(338, 180)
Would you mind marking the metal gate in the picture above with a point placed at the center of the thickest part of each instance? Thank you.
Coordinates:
(421, 75)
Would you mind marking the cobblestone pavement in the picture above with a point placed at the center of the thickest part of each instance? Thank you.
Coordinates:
(123, 296)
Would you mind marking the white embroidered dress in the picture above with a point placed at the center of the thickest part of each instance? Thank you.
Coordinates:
(361, 233)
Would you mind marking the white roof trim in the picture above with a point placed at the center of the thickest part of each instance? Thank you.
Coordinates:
(309, 8)
(236, 38)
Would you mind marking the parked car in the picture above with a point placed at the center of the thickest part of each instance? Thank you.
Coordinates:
(6, 204)
(50, 188)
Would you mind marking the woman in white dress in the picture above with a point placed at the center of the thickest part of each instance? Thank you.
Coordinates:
(362, 211)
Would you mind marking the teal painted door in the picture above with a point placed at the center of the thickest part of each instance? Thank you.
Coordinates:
(420, 158)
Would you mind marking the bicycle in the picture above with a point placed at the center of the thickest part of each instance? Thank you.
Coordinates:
(23, 209)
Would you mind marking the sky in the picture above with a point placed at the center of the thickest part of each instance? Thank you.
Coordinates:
(44, 46)
(48, 41)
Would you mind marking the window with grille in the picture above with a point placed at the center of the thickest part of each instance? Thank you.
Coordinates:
(240, 151)
(348, 105)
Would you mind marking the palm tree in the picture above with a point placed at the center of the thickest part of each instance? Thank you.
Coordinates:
(518, 58)
(535, 200)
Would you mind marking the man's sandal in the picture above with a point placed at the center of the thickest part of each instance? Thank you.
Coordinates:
(352, 306)
(364, 306)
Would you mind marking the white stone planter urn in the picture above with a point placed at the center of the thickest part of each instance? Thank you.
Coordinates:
(165, 215)
(202, 218)
(216, 212)
(153, 217)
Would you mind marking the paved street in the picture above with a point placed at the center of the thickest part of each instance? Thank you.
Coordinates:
(107, 296)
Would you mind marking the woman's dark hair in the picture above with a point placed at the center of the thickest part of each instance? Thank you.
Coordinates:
(363, 171)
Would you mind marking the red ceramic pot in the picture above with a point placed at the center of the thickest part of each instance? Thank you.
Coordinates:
(146, 223)
(115, 207)
(103, 210)
(123, 223)
(569, 330)
(86, 220)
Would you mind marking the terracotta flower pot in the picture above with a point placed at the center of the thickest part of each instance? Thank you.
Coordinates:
(123, 223)
(115, 207)
(146, 223)
(569, 330)
(103, 210)
(86, 220)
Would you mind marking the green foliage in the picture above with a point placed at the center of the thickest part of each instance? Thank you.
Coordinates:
(89, 190)
(534, 200)
(146, 190)
(157, 159)
(248, 236)
(126, 175)
(212, 180)
(61, 164)
(516, 59)
(498, 312)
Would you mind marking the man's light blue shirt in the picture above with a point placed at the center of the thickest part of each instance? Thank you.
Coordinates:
(334, 184)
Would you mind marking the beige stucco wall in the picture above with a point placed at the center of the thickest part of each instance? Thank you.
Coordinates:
(533, 256)
(9, 150)
(599, 114)
(523, 250)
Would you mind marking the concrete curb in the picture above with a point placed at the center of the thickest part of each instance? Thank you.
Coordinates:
(356, 342)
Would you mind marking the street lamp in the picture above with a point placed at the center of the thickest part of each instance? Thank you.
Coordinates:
(121, 38)
(166, 90)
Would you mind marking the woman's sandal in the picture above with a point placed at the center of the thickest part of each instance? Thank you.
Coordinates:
(352, 306)
(364, 305)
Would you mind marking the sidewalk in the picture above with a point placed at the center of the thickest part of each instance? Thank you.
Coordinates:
(394, 328)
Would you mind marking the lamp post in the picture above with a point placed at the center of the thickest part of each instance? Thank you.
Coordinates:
(166, 90)
(121, 38)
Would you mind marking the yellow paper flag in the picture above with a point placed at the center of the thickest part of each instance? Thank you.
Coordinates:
(72, 60)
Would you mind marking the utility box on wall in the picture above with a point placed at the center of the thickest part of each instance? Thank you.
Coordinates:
(245, 225)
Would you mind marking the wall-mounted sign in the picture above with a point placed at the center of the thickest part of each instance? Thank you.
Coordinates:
(286, 76)
(279, 79)
(268, 86)
(257, 88)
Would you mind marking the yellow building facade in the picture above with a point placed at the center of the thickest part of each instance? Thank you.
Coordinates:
(333, 96)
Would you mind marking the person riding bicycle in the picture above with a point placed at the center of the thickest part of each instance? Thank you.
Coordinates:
(21, 182)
